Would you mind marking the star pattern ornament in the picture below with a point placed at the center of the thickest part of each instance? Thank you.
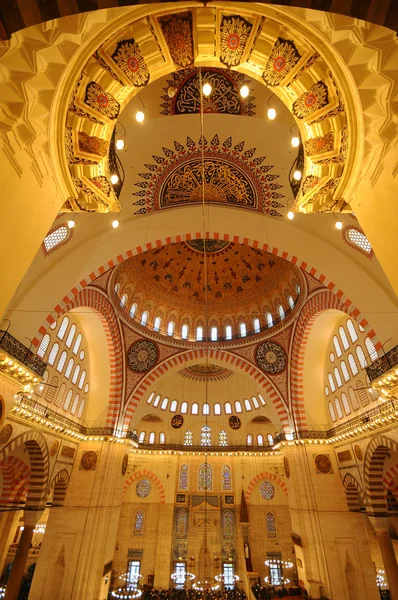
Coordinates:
(128, 57)
(234, 33)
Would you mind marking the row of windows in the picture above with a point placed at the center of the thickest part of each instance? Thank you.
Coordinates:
(352, 401)
(205, 409)
(70, 339)
(205, 477)
(57, 394)
(206, 438)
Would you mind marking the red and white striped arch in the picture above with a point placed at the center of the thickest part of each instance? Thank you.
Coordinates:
(390, 480)
(271, 477)
(16, 476)
(149, 475)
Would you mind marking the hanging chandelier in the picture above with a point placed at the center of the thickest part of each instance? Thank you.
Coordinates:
(2, 591)
(126, 593)
(132, 579)
(206, 584)
(278, 562)
(186, 576)
(282, 580)
(222, 577)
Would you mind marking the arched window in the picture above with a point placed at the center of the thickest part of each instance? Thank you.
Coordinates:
(344, 370)
(162, 438)
(248, 406)
(260, 397)
(133, 310)
(173, 406)
(359, 239)
(206, 409)
(150, 398)
(332, 413)
(354, 399)
(188, 438)
(228, 531)
(164, 404)
(371, 349)
(117, 288)
(242, 329)
(332, 385)
(183, 480)
(43, 346)
(346, 404)
(213, 334)
(228, 332)
(226, 475)
(352, 331)
(270, 439)
(361, 391)
(68, 399)
(157, 323)
(62, 328)
(170, 328)
(361, 357)
(61, 362)
(205, 477)
(337, 377)
(71, 335)
(195, 408)
(60, 394)
(76, 373)
(199, 333)
(77, 343)
(139, 522)
(181, 529)
(270, 320)
(205, 436)
(184, 408)
(217, 409)
(141, 438)
(353, 365)
(81, 409)
(326, 390)
(255, 402)
(222, 438)
(228, 408)
(238, 407)
(74, 405)
(69, 368)
(337, 346)
(281, 312)
(184, 331)
(53, 325)
(290, 302)
(249, 439)
(256, 325)
(51, 389)
(344, 338)
(338, 408)
(156, 401)
(332, 357)
(260, 440)
(123, 300)
(82, 380)
(152, 437)
(53, 354)
(298, 289)
(270, 525)
(55, 238)
(144, 318)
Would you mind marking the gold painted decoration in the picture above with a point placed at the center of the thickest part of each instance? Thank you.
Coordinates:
(89, 461)
(309, 102)
(234, 422)
(94, 195)
(125, 464)
(128, 57)
(101, 101)
(177, 31)
(209, 372)
(54, 448)
(234, 33)
(286, 467)
(5, 433)
(358, 452)
(284, 57)
(88, 144)
(344, 456)
(309, 183)
(323, 464)
(68, 452)
(320, 144)
(177, 421)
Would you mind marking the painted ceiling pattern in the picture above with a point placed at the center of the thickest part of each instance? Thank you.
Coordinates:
(206, 372)
(224, 99)
(232, 176)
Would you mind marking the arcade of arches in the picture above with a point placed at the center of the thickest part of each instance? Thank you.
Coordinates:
(198, 347)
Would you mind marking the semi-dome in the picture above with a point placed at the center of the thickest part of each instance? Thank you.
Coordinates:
(213, 288)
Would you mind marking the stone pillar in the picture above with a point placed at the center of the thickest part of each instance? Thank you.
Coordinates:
(21, 555)
(164, 547)
(382, 530)
(8, 526)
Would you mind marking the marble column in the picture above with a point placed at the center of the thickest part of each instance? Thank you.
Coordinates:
(18, 567)
(381, 527)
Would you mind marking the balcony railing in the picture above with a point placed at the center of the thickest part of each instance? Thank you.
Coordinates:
(207, 449)
(383, 364)
(21, 353)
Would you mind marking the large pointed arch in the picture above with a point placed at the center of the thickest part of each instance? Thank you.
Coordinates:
(152, 477)
(265, 475)
(376, 453)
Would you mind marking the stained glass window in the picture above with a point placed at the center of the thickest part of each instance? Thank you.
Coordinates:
(199, 333)
(352, 331)
(139, 522)
(228, 408)
(238, 407)
(337, 346)
(217, 409)
(357, 238)
(270, 320)
(256, 325)
(205, 477)
(123, 300)
(61, 362)
(183, 485)
(68, 400)
(344, 370)
(332, 384)
(249, 439)
(353, 365)
(205, 436)
(371, 349)
(188, 438)
(344, 338)
(226, 478)
(77, 343)
(195, 408)
(141, 439)
(228, 525)
(291, 302)
(223, 438)
(260, 440)
(248, 406)
(43, 346)
(271, 525)
(62, 328)
(162, 438)
(270, 439)
(361, 357)
(267, 490)
(60, 395)
(71, 335)
(184, 331)
(338, 408)
(143, 488)
(337, 377)
(345, 403)
(81, 409)
(173, 406)
(242, 329)
(255, 402)
(281, 312)
(353, 398)
(53, 354)
(263, 402)
(228, 332)
(152, 437)
(69, 368)
(133, 310)
(144, 318)
(181, 524)
(332, 412)
(184, 408)
(55, 238)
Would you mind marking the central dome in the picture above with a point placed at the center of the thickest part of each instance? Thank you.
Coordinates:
(239, 287)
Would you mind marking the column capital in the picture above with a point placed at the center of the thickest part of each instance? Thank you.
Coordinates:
(31, 517)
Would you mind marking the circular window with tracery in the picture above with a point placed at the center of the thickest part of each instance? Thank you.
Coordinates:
(143, 488)
(267, 490)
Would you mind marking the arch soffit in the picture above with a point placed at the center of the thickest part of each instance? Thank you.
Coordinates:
(273, 477)
(375, 455)
(150, 475)
(16, 475)
(353, 491)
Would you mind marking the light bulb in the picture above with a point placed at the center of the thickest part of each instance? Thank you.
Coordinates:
(290, 215)
(71, 223)
(207, 89)
(338, 225)
(271, 114)
(295, 141)
(297, 175)
(115, 223)
(119, 144)
(244, 91)
(114, 178)
(140, 116)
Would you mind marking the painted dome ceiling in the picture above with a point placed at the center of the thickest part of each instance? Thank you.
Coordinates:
(243, 283)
